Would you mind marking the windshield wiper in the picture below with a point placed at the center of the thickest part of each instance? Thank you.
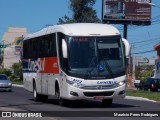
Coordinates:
(107, 66)
(86, 75)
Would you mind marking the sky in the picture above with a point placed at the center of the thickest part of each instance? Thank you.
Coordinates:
(36, 14)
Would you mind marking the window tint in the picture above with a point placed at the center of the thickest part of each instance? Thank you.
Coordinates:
(43, 46)
(156, 81)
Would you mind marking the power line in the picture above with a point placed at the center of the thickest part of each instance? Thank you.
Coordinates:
(149, 40)
(143, 52)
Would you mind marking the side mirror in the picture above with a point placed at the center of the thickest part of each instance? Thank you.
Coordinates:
(127, 47)
(64, 49)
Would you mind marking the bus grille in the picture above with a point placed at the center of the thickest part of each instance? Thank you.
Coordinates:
(98, 87)
(91, 94)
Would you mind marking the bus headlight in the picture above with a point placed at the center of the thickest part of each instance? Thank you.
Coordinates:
(121, 83)
(69, 82)
(75, 84)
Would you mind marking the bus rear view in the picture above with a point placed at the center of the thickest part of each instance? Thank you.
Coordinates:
(91, 64)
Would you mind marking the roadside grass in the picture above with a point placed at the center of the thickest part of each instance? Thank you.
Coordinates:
(17, 82)
(145, 94)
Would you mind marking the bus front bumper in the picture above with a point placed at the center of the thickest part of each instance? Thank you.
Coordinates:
(74, 93)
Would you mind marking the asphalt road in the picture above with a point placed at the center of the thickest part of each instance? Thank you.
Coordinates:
(21, 101)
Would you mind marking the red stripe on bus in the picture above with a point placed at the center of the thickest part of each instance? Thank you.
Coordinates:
(49, 65)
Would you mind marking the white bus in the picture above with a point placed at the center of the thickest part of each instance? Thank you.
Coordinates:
(75, 62)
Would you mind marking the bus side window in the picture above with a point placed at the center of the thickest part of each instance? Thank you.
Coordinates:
(35, 48)
(50, 46)
(29, 48)
(47, 46)
(54, 48)
(25, 49)
(42, 46)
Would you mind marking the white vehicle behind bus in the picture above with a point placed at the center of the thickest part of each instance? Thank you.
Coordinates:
(75, 62)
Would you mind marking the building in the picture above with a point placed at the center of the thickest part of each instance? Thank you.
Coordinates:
(140, 61)
(13, 45)
(157, 66)
(157, 48)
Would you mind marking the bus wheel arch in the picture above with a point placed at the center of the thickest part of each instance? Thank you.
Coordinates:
(57, 89)
(38, 97)
(33, 84)
(61, 101)
(35, 94)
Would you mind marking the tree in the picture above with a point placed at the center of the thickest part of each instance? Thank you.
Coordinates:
(82, 12)
(17, 68)
(1, 57)
(5, 71)
(143, 72)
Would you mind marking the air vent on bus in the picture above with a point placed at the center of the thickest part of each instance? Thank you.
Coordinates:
(91, 94)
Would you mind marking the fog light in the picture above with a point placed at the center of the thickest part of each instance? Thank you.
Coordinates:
(73, 93)
(121, 92)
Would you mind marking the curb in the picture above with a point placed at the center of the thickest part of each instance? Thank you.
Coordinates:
(16, 85)
(139, 98)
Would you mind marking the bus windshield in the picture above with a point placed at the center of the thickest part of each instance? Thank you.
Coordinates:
(96, 57)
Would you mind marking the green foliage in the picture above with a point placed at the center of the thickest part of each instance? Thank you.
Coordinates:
(5, 71)
(82, 12)
(16, 76)
(12, 77)
(1, 56)
(143, 73)
(65, 19)
(17, 68)
(17, 79)
(145, 94)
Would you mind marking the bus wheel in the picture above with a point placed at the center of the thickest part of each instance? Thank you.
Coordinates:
(35, 94)
(107, 102)
(38, 97)
(61, 101)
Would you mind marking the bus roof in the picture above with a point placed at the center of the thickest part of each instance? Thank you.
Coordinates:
(78, 29)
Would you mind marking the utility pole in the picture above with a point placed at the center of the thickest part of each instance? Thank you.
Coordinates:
(128, 60)
(134, 65)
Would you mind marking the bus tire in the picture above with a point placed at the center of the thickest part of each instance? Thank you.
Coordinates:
(44, 97)
(107, 102)
(36, 96)
(61, 101)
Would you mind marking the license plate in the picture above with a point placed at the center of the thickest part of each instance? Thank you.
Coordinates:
(98, 97)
